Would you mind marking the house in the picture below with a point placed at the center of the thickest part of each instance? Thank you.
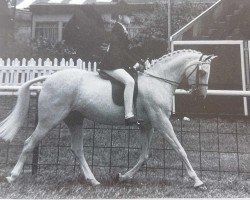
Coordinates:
(223, 30)
(50, 16)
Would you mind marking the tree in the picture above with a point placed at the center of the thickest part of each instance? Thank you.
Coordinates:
(9, 48)
(85, 32)
(6, 26)
(152, 38)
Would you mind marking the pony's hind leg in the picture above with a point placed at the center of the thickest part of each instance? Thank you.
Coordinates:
(74, 122)
(45, 123)
(49, 115)
(146, 133)
(29, 145)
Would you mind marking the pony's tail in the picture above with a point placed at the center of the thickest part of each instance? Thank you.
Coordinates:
(10, 126)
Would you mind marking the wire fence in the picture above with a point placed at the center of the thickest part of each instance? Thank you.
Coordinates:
(216, 145)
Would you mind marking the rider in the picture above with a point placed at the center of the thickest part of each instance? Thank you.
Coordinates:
(117, 59)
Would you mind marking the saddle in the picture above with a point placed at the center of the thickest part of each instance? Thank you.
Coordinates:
(118, 87)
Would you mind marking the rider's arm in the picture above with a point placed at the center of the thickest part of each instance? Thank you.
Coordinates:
(120, 39)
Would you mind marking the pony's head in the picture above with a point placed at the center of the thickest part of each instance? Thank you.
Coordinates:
(197, 73)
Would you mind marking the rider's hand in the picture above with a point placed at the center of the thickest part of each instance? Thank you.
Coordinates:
(147, 64)
(139, 67)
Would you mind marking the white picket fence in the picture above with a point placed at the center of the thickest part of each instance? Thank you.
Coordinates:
(16, 72)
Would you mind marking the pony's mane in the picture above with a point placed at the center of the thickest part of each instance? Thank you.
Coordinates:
(171, 55)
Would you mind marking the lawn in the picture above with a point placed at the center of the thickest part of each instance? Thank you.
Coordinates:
(47, 185)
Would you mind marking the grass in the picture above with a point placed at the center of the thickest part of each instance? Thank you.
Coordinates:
(48, 185)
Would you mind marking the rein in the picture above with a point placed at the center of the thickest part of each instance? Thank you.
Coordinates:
(162, 79)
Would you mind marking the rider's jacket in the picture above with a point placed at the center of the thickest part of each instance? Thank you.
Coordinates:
(118, 55)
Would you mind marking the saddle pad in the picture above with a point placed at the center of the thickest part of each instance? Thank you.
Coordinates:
(118, 88)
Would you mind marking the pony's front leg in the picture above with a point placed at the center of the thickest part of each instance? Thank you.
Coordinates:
(77, 149)
(166, 129)
(74, 121)
(146, 132)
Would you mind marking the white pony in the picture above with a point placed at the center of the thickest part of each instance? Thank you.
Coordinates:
(71, 95)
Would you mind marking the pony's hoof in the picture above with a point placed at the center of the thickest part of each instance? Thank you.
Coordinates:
(94, 182)
(201, 187)
(9, 179)
(122, 178)
(198, 183)
(119, 177)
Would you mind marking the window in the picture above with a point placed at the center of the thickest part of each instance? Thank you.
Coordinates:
(47, 30)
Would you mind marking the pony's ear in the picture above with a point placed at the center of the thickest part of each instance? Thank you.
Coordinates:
(210, 58)
(213, 57)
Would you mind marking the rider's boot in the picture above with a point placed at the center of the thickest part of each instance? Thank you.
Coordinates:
(131, 121)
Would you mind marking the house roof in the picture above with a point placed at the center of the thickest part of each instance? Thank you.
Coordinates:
(23, 4)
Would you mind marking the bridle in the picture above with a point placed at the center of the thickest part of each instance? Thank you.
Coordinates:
(196, 86)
